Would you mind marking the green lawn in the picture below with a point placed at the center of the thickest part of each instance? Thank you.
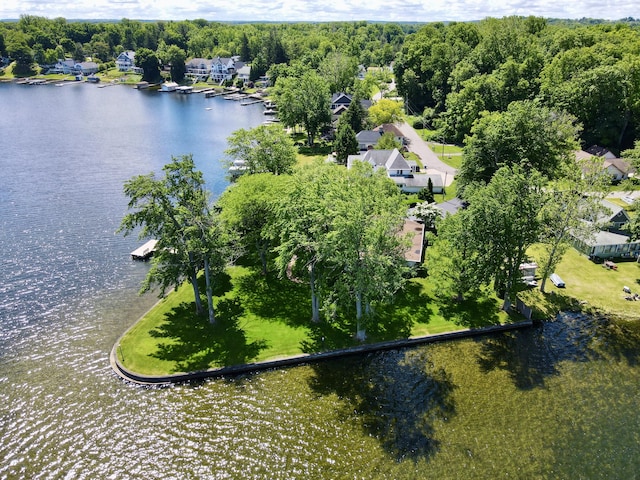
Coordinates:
(591, 286)
(262, 318)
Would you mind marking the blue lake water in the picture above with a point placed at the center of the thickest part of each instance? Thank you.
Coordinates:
(557, 401)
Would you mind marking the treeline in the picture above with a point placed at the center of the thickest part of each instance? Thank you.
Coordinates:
(262, 44)
(447, 74)
(450, 74)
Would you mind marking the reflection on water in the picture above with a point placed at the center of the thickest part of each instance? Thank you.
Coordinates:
(555, 401)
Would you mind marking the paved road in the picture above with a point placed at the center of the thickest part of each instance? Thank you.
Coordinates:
(429, 159)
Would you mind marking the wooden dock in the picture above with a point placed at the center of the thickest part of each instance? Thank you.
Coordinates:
(145, 251)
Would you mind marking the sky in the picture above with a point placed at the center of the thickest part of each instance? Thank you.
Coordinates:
(318, 10)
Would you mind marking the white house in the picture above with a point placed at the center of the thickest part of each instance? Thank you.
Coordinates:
(605, 244)
(616, 168)
(244, 73)
(198, 68)
(126, 61)
(223, 69)
(399, 170)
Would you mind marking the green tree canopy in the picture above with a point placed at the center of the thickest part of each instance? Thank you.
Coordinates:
(304, 101)
(174, 209)
(263, 149)
(527, 134)
(385, 111)
(148, 61)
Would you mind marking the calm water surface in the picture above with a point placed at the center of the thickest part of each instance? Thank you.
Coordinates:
(557, 401)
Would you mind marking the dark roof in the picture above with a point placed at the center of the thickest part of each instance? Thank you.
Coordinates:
(598, 151)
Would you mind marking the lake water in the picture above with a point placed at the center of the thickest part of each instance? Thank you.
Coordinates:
(556, 401)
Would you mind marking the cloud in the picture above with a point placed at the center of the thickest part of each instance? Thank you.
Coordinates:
(316, 10)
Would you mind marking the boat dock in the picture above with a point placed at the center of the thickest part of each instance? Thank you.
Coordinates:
(145, 251)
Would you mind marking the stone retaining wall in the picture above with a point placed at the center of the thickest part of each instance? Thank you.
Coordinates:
(304, 358)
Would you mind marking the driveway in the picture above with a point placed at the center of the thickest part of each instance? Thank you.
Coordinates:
(430, 160)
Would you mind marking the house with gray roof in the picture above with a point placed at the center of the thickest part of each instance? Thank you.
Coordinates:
(126, 62)
(605, 244)
(367, 139)
(223, 69)
(399, 170)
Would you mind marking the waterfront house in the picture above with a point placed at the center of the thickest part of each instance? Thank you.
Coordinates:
(605, 245)
(86, 68)
(198, 69)
(126, 62)
(244, 73)
(223, 69)
(65, 66)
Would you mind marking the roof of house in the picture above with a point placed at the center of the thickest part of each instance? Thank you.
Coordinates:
(387, 159)
(197, 62)
(414, 252)
(395, 160)
(450, 206)
(614, 210)
(368, 136)
(599, 151)
(604, 237)
(341, 98)
(245, 70)
(391, 128)
(619, 164)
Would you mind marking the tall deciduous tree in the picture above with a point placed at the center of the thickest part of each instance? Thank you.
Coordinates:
(367, 263)
(304, 101)
(249, 208)
(528, 135)
(304, 220)
(174, 209)
(575, 197)
(452, 260)
(148, 61)
(385, 111)
(504, 218)
(264, 149)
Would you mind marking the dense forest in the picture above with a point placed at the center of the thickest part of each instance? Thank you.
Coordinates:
(447, 74)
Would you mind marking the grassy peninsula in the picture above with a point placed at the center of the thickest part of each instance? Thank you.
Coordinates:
(266, 318)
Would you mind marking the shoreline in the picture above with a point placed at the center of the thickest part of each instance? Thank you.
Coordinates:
(233, 370)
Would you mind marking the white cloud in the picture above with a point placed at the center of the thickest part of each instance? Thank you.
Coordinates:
(316, 10)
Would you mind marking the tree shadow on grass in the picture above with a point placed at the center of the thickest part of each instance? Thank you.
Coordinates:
(194, 344)
(396, 396)
(395, 320)
(476, 312)
(324, 336)
(273, 298)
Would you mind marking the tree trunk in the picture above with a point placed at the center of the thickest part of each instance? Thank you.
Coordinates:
(263, 261)
(194, 283)
(361, 333)
(209, 288)
(315, 303)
